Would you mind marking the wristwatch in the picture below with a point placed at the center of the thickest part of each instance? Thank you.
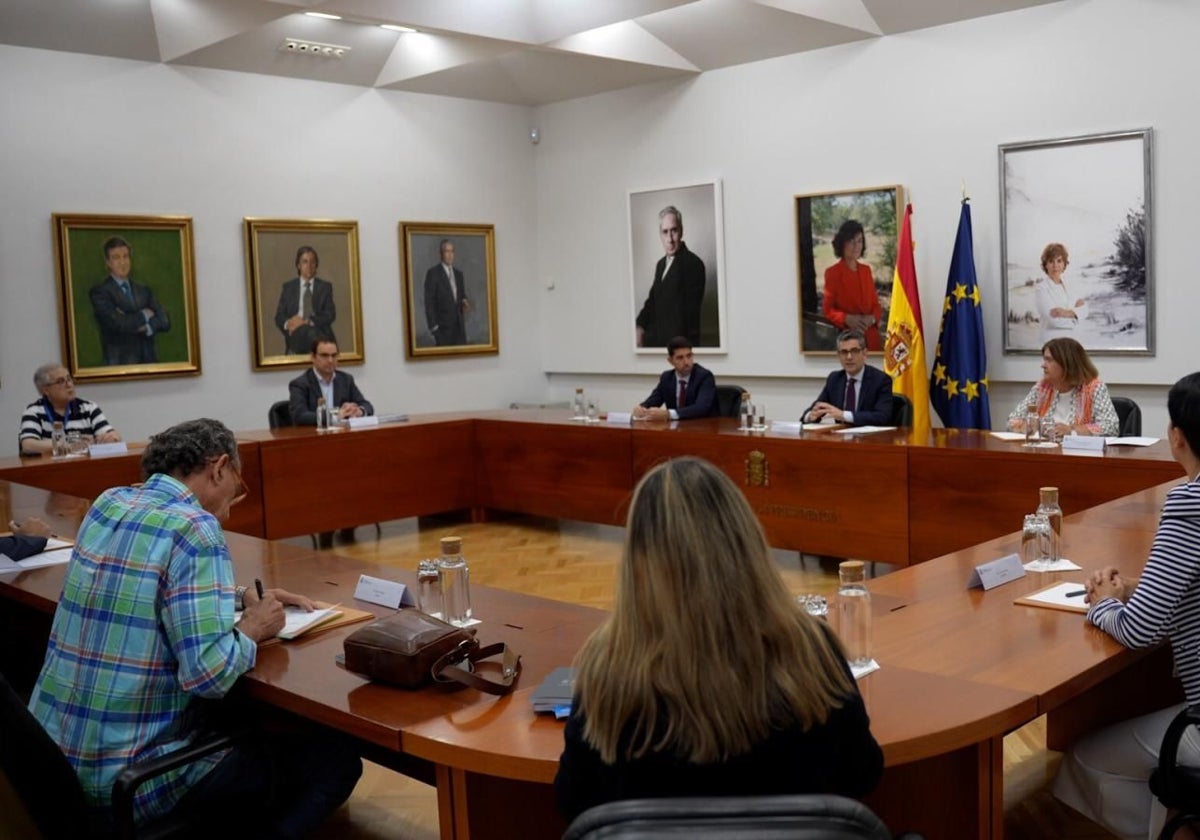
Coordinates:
(239, 598)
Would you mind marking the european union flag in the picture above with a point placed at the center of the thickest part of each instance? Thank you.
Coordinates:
(958, 386)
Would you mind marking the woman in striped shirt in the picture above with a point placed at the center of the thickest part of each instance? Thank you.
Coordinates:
(1105, 774)
(58, 403)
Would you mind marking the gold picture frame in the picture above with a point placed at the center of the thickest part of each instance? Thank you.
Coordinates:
(281, 331)
(446, 317)
(138, 326)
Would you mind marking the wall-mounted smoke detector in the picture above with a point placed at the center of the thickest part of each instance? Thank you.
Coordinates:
(295, 45)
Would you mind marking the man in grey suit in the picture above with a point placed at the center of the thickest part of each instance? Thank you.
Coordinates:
(306, 310)
(323, 379)
(128, 313)
(446, 302)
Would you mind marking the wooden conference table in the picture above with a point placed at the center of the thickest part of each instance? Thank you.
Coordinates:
(959, 670)
(883, 496)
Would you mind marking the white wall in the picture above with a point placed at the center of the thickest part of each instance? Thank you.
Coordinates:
(100, 135)
(925, 109)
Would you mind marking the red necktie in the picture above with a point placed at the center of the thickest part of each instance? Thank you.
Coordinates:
(682, 401)
(850, 400)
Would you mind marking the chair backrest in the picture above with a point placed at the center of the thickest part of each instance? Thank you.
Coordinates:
(279, 415)
(1130, 416)
(902, 410)
(729, 400)
(798, 817)
(34, 768)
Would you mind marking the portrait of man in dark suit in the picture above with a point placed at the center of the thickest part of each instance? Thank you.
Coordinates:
(128, 314)
(446, 301)
(673, 306)
(306, 310)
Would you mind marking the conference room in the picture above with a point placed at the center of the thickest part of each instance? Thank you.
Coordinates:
(256, 137)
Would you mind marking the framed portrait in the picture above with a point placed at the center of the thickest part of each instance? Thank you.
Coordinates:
(449, 279)
(127, 296)
(303, 284)
(1075, 243)
(677, 267)
(846, 256)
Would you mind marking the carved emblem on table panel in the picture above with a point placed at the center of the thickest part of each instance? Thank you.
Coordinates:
(758, 471)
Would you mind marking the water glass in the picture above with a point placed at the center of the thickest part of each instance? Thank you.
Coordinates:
(593, 416)
(1033, 426)
(760, 417)
(1035, 539)
(1049, 432)
(75, 443)
(815, 605)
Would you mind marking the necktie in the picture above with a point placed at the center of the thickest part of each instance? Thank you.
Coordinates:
(850, 398)
(453, 285)
(682, 400)
(307, 300)
(128, 291)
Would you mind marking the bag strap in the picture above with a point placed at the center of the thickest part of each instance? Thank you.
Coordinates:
(446, 668)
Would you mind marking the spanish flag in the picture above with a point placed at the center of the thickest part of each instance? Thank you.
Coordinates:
(904, 348)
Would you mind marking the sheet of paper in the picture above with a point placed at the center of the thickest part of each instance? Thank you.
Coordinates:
(1062, 564)
(296, 620)
(1009, 435)
(1130, 441)
(863, 430)
(49, 557)
(1060, 595)
(860, 671)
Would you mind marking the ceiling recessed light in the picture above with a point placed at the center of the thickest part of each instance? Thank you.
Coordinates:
(324, 15)
(395, 28)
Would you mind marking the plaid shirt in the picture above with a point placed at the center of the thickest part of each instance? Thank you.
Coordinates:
(143, 629)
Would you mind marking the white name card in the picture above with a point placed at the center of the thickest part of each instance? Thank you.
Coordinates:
(101, 450)
(1085, 443)
(362, 422)
(619, 418)
(997, 572)
(791, 427)
(386, 593)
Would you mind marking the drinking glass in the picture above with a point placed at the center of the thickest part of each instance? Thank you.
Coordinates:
(1035, 540)
(1049, 432)
(1033, 426)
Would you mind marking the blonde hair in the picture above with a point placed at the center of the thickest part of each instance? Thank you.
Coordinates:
(705, 651)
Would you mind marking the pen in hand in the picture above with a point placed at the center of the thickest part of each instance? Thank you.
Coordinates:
(258, 588)
(1077, 593)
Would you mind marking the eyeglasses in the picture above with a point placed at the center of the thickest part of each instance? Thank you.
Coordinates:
(849, 351)
(243, 488)
(63, 380)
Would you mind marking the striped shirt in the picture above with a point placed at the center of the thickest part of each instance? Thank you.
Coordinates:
(143, 629)
(1166, 601)
(81, 416)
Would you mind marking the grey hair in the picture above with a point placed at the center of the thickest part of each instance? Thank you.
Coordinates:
(853, 335)
(41, 376)
(673, 210)
(186, 447)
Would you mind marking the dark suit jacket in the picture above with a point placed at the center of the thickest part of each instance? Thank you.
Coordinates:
(320, 323)
(444, 314)
(873, 400)
(701, 394)
(119, 322)
(673, 306)
(18, 547)
(305, 390)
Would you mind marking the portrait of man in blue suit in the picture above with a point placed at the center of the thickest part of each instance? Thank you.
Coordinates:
(128, 314)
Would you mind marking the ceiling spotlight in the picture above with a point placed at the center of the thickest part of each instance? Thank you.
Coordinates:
(295, 45)
(324, 15)
(396, 28)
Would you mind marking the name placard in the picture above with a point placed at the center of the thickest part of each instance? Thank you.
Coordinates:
(619, 418)
(997, 572)
(1083, 443)
(362, 422)
(102, 450)
(791, 427)
(386, 593)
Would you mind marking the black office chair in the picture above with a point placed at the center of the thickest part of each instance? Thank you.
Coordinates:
(798, 817)
(1177, 787)
(279, 415)
(1130, 416)
(902, 411)
(40, 791)
(729, 400)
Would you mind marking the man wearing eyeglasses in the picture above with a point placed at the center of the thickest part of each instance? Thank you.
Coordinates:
(144, 640)
(856, 395)
(324, 380)
(58, 403)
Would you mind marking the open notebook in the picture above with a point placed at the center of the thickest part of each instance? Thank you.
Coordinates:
(299, 622)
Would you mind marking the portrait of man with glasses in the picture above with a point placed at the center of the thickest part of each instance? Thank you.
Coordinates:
(57, 403)
(856, 395)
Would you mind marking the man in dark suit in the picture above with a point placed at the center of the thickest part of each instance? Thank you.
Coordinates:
(306, 311)
(446, 302)
(323, 379)
(685, 391)
(673, 306)
(858, 394)
(128, 314)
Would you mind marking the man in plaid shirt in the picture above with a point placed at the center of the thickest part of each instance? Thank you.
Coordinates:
(144, 640)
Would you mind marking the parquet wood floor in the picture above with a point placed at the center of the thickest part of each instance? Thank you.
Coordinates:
(576, 562)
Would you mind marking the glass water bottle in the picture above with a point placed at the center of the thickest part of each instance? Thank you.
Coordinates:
(854, 612)
(1049, 508)
(456, 582)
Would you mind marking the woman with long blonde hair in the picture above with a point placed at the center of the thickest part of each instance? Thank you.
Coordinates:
(708, 679)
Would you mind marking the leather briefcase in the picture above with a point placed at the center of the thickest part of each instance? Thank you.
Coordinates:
(411, 649)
